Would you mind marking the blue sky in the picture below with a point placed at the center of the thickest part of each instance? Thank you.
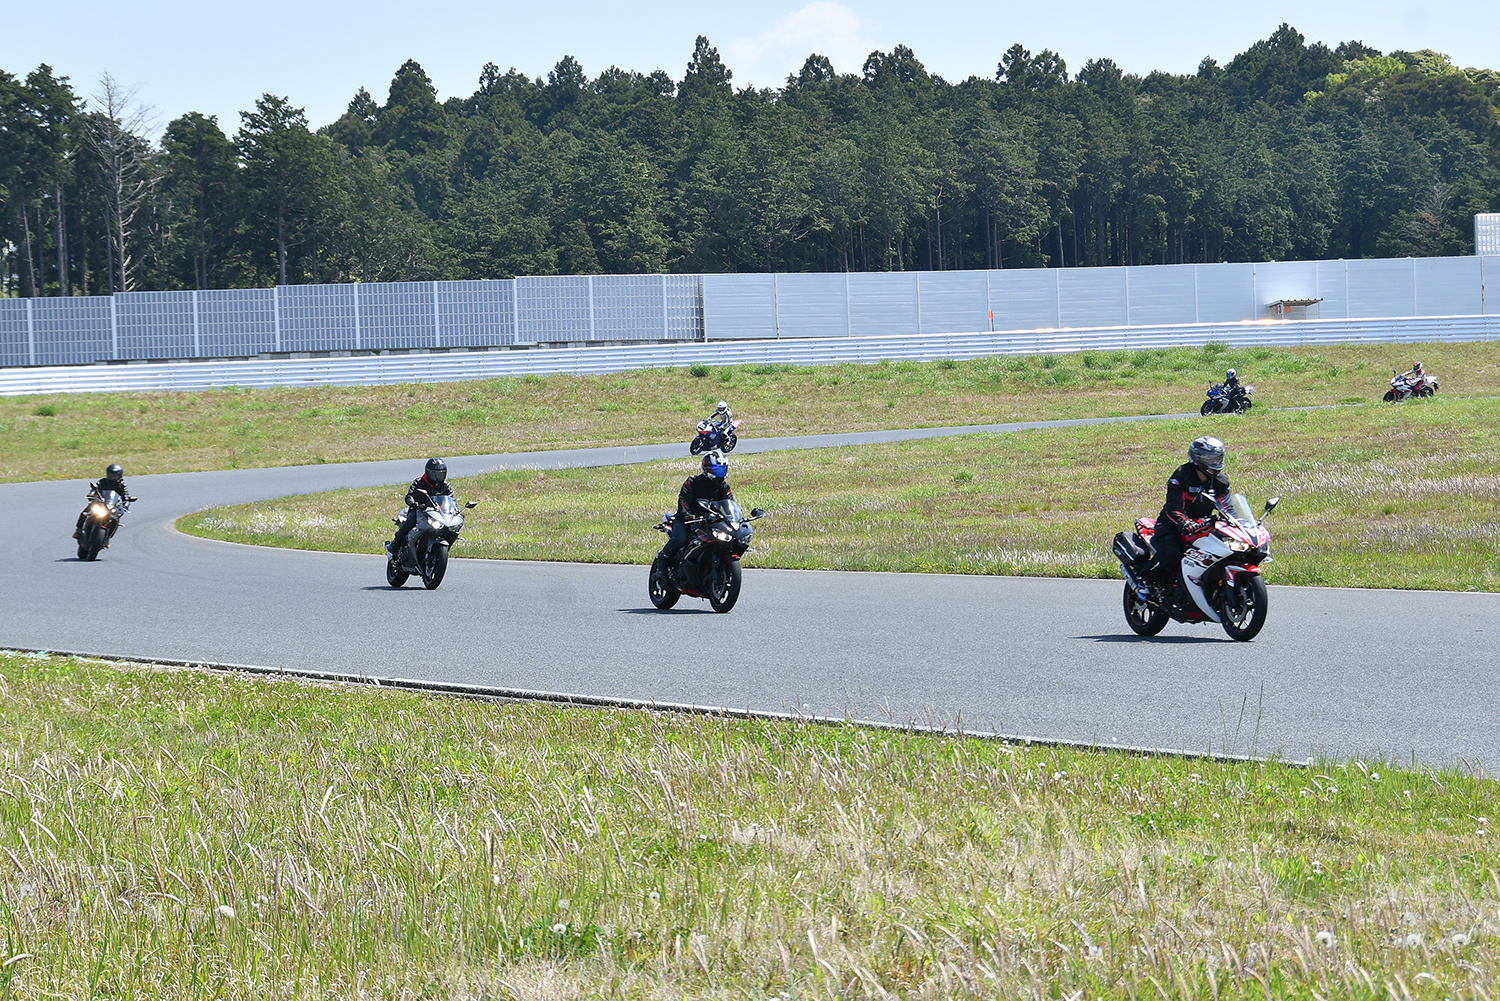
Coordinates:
(217, 59)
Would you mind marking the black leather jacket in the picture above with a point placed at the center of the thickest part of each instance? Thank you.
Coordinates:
(700, 486)
(1188, 503)
(118, 486)
(420, 486)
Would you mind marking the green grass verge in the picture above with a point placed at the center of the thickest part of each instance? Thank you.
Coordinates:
(75, 435)
(1372, 496)
(176, 834)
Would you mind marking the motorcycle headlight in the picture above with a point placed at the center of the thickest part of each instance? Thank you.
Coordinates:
(98, 510)
(435, 521)
(1236, 546)
(722, 535)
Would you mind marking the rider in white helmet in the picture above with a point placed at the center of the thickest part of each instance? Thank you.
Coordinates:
(722, 416)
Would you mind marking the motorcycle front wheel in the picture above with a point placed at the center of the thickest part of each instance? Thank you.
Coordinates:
(1141, 617)
(1208, 408)
(434, 566)
(1243, 607)
(663, 594)
(695, 447)
(1390, 396)
(724, 587)
(94, 542)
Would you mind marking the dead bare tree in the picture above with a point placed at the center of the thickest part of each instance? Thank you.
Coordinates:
(128, 167)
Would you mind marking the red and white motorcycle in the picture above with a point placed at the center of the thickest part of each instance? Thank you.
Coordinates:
(1404, 387)
(1220, 566)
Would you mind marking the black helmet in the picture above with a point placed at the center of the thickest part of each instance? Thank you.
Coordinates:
(715, 464)
(114, 471)
(1207, 454)
(436, 471)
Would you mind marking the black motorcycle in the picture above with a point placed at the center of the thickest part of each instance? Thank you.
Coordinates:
(709, 565)
(426, 550)
(100, 520)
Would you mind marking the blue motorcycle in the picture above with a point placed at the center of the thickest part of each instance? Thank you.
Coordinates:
(1226, 401)
(711, 436)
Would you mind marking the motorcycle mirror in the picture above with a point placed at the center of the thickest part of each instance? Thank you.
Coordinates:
(1271, 504)
(756, 512)
(472, 504)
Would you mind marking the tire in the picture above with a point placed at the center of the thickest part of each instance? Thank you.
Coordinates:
(394, 575)
(94, 542)
(1249, 614)
(1390, 396)
(1142, 619)
(695, 447)
(724, 588)
(1245, 407)
(1426, 392)
(1208, 408)
(663, 594)
(730, 441)
(434, 566)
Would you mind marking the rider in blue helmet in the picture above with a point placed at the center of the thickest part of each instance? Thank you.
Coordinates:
(708, 485)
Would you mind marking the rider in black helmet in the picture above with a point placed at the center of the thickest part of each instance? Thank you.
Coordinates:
(432, 483)
(708, 485)
(113, 479)
(1191, 492)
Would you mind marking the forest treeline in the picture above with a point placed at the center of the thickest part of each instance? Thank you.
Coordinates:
(1290, 151)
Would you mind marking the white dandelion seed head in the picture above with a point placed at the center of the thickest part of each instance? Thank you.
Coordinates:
(1326, 939)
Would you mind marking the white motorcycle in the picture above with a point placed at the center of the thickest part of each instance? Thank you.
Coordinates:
(1220, 567)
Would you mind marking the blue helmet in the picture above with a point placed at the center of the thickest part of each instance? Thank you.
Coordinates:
(1229, 375)
(715, 464)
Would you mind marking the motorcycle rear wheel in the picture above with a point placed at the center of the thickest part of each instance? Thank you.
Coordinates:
(1242, 608)
(663, 594)
(1426, 391)
(1143, 619)
(394, 575)
(724, 584)
(730, 441)
(434, 566)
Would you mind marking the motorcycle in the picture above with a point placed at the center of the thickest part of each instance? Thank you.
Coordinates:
(711, 436)
(709, 565)
(426, 550)
(1403, 387)
(101, 517)
(1226, 401)
(1220, 568)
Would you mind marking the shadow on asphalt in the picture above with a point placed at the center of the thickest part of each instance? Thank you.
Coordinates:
(667, 611)
(1133, 638)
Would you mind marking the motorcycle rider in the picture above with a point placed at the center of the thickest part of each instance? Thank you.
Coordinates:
(432, 483)
(722, 417)
(1416, 375)
(709, 485)
(113, 479)
(1191, 492)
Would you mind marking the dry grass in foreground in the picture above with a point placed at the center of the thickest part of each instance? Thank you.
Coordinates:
(173, 834)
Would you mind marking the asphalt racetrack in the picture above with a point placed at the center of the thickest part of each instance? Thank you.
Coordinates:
(1404, 675)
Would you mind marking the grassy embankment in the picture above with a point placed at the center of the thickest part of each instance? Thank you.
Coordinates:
(72, 436)
(173, 834)
(1372, 496)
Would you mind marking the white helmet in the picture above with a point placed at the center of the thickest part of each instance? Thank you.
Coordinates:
(722, 407)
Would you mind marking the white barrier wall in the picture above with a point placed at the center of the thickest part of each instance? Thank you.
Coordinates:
(318, 319)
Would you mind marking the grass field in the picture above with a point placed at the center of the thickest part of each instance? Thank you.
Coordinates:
(175, 834)
(1372, 496)
(75, 436)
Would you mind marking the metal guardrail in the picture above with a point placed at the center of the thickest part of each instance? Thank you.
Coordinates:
(369, 370)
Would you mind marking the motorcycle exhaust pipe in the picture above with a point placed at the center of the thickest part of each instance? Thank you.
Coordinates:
(1142, 592)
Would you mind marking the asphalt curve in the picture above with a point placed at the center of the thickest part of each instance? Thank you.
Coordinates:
(1402, 675)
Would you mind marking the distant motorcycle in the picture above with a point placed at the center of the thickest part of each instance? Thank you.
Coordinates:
(709, 565)
(1221, 569)
(1403, 387)
(426, 550)
(711, 436)
(101, 517)
(1226, 401)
